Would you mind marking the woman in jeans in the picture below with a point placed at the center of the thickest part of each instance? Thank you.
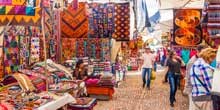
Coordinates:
(173, 63)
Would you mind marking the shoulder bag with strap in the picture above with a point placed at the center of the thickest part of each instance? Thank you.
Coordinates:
(200, 80)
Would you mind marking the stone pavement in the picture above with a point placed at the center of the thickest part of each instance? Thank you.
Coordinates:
(131, 96)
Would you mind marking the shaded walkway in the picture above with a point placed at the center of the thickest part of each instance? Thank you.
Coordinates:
(131, 96)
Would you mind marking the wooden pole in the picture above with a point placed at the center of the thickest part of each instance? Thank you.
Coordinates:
(45, 49)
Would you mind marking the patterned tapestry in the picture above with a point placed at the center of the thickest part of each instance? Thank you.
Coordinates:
(81, 45)
(105, 51)
(101, 20)
(20, 12)
(68, 48)
(74, 23)
(187, 29)
(11, 54)
(93, 48)
(24, 51)
(35, 49)
(122, 22)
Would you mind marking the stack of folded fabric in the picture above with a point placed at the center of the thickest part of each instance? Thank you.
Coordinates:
(92, 82)
(107, 67)
(107, 81)
(39, 83)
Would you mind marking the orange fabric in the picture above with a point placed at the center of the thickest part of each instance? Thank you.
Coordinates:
(101, 91)
(74, 23)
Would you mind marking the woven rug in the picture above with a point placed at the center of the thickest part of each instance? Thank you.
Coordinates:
(122, 22)
(131, 96)
(74, 23)
(101, 20)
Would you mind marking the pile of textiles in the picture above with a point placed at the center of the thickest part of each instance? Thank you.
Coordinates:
(83, 104)
(107, 67)
(107, 81)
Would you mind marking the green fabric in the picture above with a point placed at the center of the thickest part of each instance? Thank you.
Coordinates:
(185, 56)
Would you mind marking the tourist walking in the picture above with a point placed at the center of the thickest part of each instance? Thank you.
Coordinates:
(174, 64)
(148, 63)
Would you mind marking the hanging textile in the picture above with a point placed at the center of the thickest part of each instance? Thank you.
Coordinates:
(101, 20)
(187, 29)
(74, 23)
(68, 48)
(81, 48)
(20, 12)
(93, 46)
(35, 49)
(24, 51)
(11, 54)
(105, 51)
(122, 22)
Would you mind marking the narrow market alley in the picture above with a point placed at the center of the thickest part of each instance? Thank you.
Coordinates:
(131, 96)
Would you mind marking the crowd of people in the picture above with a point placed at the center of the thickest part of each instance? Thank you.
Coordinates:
(198, 76)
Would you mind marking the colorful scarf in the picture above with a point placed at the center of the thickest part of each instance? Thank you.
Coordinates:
(74, 23)
(101, 20)
(11, 54)
(122, 22)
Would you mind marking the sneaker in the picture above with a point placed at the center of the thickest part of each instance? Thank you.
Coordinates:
(172, 105)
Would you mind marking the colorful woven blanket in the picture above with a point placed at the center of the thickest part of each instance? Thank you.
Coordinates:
(74, 23)
(122, 22)
(101, 20)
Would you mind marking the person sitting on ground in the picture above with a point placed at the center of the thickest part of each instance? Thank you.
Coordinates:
(80, 72)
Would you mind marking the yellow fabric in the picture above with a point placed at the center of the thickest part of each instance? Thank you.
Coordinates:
(24, 82)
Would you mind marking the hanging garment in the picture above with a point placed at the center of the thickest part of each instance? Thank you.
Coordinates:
(101, 20)
(185, 55)
(1, 54)
(74, 23)
(11, 54)
(141, 15)
(122, 22)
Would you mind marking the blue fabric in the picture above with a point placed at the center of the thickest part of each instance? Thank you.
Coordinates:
(173, 81)
(213, 64)
(185, 56)
(205, 73)
(146, 71)
(142, 15)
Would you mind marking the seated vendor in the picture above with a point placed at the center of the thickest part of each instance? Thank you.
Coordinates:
(80, 72)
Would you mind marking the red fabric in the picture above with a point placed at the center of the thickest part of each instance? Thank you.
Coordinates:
(192, 53)
(3, 107)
